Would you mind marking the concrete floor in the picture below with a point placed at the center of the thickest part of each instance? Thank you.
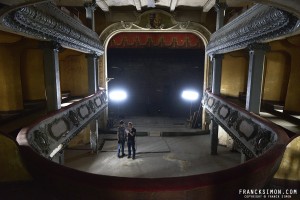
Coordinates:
(159, 156)
(156, 156)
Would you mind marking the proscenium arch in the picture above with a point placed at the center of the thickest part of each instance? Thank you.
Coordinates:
(166, 24)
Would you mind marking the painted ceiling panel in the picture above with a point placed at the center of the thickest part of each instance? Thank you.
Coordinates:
(192, 3)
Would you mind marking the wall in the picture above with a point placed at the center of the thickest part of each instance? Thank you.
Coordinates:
(276, 75)
(73, 73)
(32, 74)
(281, 75)
(234, 73)
(291, 47)
(10, 80)
(74, 78)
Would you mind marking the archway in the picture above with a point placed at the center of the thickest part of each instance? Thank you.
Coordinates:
(153, 21)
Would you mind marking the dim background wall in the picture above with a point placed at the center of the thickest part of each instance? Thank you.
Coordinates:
(290, 47)
(10, 80)
(234, 73)
(73, 73)
(32, 74)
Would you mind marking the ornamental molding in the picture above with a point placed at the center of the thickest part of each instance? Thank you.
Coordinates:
(46, 22)
(165, 40)
(259, 46)
(155, 21)
(259, 24)
(251, 134)
(52, 134)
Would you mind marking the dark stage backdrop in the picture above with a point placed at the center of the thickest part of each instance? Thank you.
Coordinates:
(154, 79)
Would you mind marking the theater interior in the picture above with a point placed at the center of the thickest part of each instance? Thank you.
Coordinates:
(211, 87)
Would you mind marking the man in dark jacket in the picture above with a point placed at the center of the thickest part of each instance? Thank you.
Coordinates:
(131, 132)
(121, 135)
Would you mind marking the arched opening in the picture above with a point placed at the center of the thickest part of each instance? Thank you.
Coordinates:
(143, 27)
(154, 69)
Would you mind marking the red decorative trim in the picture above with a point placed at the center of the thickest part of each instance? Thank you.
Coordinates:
(162, 40)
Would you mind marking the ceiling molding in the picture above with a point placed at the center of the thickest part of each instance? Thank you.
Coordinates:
(103, 5)
(138, 5)
(143, 24)
(208, 5)
(292, 6)
(173, 4)
(46, 22)
(259, 24)
(154, 40)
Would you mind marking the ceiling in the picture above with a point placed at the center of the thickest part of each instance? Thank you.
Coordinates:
(139, 5)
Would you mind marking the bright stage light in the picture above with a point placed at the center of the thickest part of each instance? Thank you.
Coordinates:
(190, 95)
(118, 95)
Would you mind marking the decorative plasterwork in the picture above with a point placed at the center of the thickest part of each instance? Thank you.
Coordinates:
(161, 40)
(259, 24)
(252, 135)
(45, 21)
(155, 21)
(51, 135)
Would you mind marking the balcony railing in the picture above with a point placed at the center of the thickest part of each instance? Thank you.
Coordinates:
(52, 133)
(253, 134)
(260, 139)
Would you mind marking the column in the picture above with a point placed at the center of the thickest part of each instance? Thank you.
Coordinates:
(52, 83)
(257, 54)
(92, 60)
(216, 88)
(214, 140)
(51, 72)
(216, 73)
(92, 73)
(220, 9)
(216, 78)
(93, 88)
(89, 12)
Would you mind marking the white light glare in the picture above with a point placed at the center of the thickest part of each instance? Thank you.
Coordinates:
(190, 95)
(117, 95)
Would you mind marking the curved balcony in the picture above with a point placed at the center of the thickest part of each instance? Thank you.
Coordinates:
(264, 144)
(51, 134)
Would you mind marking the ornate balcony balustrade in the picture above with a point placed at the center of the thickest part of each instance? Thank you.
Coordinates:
(52, 133)
(253, 134)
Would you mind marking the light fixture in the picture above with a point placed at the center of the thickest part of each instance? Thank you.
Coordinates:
(117, 95)
(190, 95)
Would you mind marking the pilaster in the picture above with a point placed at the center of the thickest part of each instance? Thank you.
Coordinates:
(89, 12)
(52, 78)
(216, 73)
(220, 9)
(214, 140)
(92, 62)
(257, 53)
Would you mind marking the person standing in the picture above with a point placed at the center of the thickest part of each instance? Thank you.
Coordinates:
(131, 132)
(121, 135)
